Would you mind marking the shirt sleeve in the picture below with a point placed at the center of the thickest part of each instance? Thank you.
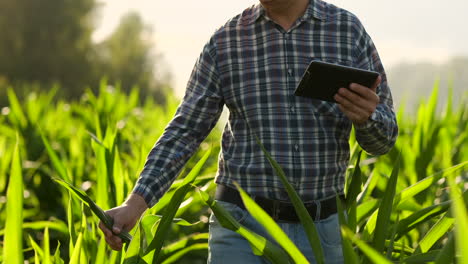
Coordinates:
(378, 135)
(195, 117)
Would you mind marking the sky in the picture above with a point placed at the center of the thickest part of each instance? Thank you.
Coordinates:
(403, 30)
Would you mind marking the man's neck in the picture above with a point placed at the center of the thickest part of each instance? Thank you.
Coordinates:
(285, 15)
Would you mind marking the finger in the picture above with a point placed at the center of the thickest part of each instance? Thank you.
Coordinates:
(376, 83)
(361, 107)
(352, 97)
(354, 117)
(113, 243)
(366, 93)
(104, 229)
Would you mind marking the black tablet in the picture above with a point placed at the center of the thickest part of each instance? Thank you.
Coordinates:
(322, 80)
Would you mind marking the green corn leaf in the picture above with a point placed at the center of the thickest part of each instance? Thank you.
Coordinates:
(46, 247)
(370, 252)
(421, 216)
(119, 177)
(385, 209)
(460, 214)
(435, 233)
(303, 214)
(102, 182)
(427, 257)
(134, 250)
(272, 227)
(57, 259)
(425, 183)
(38, 253)
(166, 221)
(101, 251)
(75, 256)
(356, 183)
(58, 164)
(391, 244)
(56, 225)
(17, 117)
(13, 239)
(106, 219)
(260, 246)
(183, 243)
(70, 220)
(366, 209)
(179, 254)
(447, 254)
(350, 256)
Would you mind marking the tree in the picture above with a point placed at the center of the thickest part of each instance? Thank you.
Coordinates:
(126, 58)
(47, 41)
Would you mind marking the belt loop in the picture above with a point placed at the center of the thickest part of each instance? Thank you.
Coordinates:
(318, 204)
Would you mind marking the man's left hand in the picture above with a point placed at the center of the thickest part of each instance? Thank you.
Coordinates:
(358, 102)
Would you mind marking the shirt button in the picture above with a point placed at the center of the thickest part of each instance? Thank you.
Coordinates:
(296, 147)
(290, 72)
(293, 110)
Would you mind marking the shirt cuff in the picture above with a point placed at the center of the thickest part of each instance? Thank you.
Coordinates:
(146, 193)
(369, 123)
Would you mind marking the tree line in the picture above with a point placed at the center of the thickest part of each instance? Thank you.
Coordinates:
(48, 42)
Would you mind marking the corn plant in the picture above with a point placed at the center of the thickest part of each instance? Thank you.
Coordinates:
(408, 206)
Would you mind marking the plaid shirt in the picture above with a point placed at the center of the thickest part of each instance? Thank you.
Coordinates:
(253, 66)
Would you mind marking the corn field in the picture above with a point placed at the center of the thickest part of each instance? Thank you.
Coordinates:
(62, 163)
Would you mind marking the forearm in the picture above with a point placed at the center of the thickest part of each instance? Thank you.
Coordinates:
(163, 164)
(378, 135)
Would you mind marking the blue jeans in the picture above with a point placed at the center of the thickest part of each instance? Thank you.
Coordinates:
(226, 246)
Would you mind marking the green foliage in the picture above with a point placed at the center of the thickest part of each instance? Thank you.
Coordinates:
(408, 208)
(49, 42)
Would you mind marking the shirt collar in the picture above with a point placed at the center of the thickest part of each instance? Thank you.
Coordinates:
(315, 9)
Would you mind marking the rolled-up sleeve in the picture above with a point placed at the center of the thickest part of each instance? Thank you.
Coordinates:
(195, 117)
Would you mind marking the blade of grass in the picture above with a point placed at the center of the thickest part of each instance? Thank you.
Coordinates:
(303, 214)
(106, 219)
(420, 217)
(46, 247)
(134, 250)
(57, 259)
(260, 246)
(427, 257)
(385, 210)
(435, 233)
(56, 225)
(184, 242)
(425, 183)
(350, 256)
(13, 239)
(356, 183)
(17, 117)
(58, 164)
(447, 254)
(460, 214)
(179, 254)
(166, 221)
(370, 252)
(38, 252)
(75, 257)
(272, 227)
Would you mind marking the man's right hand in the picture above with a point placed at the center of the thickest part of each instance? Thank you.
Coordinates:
(125, 218)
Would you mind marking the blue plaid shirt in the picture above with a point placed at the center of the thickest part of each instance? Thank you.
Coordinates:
(253, 66)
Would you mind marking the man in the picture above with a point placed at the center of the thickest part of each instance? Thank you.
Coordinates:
(252, 65)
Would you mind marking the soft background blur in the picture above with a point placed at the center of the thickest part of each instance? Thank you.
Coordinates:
(154, 44)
